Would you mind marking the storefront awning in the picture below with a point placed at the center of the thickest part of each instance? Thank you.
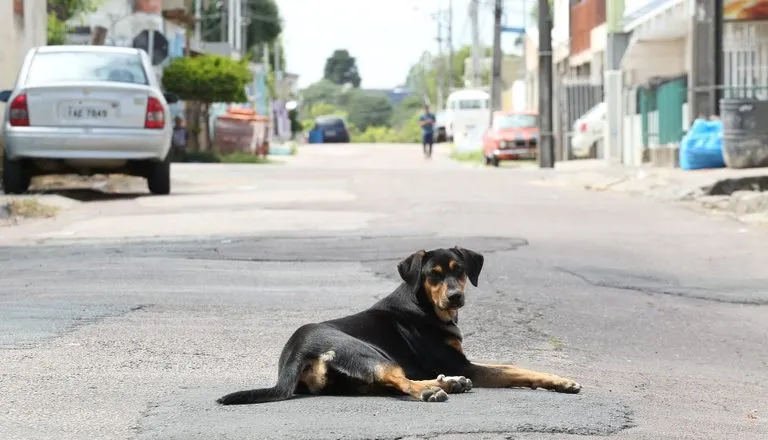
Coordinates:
(648, 58)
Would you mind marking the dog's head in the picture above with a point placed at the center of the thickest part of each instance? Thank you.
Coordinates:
(442, 274)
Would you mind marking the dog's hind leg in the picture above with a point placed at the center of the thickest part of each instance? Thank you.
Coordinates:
(510, 376)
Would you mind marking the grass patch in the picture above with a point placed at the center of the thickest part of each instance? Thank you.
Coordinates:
(30, 208)
(211, 157)
(468, 156)
(557, 344)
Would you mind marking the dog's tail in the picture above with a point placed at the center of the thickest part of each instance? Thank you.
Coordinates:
(283, 390)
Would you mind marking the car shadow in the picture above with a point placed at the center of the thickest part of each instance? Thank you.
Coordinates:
(89, 194)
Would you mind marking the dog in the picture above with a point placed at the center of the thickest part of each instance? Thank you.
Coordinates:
(407, 343)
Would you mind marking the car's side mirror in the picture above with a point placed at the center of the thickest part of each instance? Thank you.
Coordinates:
(5, 95)
(171, 98)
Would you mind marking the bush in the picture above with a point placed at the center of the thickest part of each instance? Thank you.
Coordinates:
(207, 78)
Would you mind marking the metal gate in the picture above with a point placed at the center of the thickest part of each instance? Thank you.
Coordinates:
(574, 96)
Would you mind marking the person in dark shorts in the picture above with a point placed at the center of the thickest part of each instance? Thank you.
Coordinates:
(427, 123)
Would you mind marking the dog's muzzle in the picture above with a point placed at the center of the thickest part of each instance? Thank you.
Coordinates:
(455, 300)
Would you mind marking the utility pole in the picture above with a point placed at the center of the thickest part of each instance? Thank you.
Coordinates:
(223, 19)
(231, 20)
(441, 61)
(451, 83)
(498, 12)
(546, 137)
(198, 22)
(246, 21)
(474, 7)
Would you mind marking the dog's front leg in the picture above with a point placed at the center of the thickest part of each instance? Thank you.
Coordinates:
(510, 376)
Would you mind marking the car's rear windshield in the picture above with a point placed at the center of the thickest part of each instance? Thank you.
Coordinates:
(503, 122)
(54, 67)
(330, 123)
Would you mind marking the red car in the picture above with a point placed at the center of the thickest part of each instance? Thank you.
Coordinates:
(512, 136)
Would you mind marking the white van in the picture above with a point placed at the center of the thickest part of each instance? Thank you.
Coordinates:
(466, 111)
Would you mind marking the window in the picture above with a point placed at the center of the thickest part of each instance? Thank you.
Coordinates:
(515, 121)
(86, 66)
(472, 104)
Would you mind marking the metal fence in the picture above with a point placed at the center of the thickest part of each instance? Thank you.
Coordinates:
(575, 94)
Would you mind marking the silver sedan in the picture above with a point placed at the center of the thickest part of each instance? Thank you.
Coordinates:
(86, 110)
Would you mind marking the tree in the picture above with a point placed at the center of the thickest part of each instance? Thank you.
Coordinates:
(59, 11)
(341, 68)
(207, 79)
(322, 91)
(369, 110)
(264, 26)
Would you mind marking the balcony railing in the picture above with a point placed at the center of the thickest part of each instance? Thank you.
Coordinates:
(585, 16)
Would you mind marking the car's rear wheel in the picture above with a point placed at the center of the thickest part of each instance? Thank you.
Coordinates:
(16, 178)
(159, 177)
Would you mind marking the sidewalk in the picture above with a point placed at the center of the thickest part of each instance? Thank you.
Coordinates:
(741, 193)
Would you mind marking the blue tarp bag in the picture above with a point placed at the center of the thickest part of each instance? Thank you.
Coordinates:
(702, 146)
(315, 136)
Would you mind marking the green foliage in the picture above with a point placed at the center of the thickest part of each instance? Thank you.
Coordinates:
(369, 110)
(264, 27)
(63, 10)
(207, 78)
(57, 30)
(410, 106)
(322, 91)
(341, 68)
(409, 132)
(59, 11)
(296, 125)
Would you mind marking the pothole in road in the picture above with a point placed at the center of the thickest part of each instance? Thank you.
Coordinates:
(340, 249)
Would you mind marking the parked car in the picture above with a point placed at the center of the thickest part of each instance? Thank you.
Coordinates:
(440, 127)
(588, 132)
(512, 136)
(333, 129)
(86, 110)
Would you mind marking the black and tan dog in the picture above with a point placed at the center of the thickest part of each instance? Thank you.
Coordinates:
(408, 342)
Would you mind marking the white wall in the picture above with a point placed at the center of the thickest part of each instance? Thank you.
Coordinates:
(19, 34)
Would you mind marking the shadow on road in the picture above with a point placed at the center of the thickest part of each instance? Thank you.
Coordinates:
(89, 194)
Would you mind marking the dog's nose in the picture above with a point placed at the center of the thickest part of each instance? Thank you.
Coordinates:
(456, 298)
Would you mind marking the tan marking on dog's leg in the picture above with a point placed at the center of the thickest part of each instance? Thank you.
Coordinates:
(394, 376)
(315, 376)
(510, 376)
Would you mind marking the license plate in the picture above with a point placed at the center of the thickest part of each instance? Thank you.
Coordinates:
(520, 151)
(78, 112)
(330, 133)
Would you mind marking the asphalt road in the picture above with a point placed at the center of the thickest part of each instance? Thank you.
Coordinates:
(127, 315)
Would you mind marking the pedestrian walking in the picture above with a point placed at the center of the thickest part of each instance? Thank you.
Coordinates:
(427, 123)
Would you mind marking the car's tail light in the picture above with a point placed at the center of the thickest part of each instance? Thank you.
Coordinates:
(583, 127)
(155, 114)
(19, 113)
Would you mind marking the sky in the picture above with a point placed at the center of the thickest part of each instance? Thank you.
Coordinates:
(385, 37)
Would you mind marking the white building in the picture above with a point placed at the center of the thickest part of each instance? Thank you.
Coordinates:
(23, 25)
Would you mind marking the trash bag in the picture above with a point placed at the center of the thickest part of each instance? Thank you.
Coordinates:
(316, 136)
(702, 146)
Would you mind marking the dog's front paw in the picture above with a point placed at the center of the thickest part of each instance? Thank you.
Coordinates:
(434, 394)
(567, 386)
(454, 384)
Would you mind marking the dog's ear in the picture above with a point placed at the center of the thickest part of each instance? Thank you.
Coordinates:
(472, 261)
(410, 268)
